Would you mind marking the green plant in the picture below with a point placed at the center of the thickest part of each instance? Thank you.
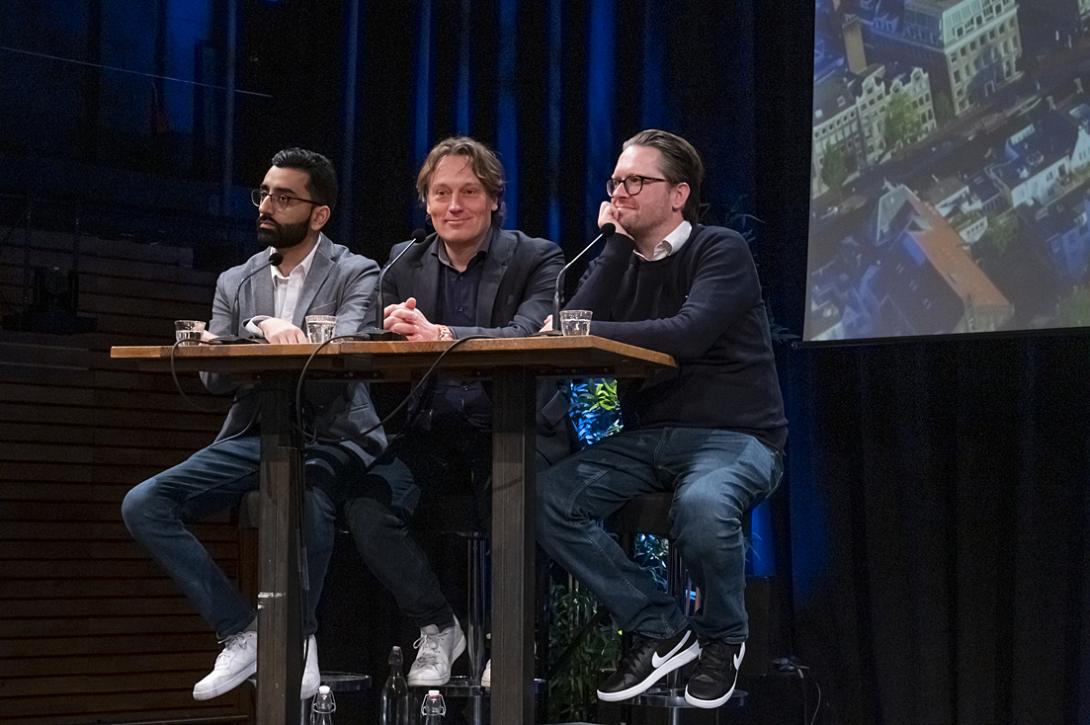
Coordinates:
(581, 645)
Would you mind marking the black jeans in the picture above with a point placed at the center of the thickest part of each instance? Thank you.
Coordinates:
(417, 466)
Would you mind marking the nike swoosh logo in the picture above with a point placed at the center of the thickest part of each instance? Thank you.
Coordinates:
(657, 661)
(738, 657)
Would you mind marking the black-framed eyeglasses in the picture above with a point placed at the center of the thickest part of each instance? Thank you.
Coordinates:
(632, 184)
(280, 199)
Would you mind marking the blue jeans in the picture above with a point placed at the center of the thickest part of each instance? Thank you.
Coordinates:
(212, 480)
(715, 475)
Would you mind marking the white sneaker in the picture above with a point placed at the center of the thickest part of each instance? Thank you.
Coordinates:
(438, 648)
(486, 676)
(236, 662)
(312, 676)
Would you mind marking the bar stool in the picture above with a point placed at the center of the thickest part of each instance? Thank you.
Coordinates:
(650, 514)
(339, 682)
(453, 514)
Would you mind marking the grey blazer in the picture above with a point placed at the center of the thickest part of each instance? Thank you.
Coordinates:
(339, 283)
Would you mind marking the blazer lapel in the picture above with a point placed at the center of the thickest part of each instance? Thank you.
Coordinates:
(425, 282)
(261, 286)
(495, 265)
(320, 267)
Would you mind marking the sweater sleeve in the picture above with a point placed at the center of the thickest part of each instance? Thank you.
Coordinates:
(724, 286)
(599, 284)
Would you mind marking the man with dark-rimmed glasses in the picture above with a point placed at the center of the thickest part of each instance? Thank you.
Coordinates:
(711, 432)
(301, 272)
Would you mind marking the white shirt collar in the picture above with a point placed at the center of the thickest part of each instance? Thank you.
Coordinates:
(300, 269)
(671, 244)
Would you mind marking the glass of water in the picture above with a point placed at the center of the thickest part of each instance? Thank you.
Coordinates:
(320, 327)
(188, 332)
(575, 322)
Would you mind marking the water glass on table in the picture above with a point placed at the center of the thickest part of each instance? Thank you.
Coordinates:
(188, 332)
(575, 322)
(319, 327)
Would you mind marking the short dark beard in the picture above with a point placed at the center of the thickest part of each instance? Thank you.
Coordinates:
(282, 236)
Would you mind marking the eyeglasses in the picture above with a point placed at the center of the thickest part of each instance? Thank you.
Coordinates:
(632, 184)
(280, 199)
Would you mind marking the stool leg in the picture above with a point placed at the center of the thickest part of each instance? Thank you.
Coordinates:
(475, 625)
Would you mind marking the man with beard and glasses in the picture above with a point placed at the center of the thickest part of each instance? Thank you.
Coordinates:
(711, 432)
(314, 276)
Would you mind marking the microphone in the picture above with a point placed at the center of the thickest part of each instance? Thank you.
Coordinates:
(376, 332)
(606, 230)
(274, 261)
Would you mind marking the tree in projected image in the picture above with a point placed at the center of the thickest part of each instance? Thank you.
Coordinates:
(834, 168)
(1074, 311)
(903, 126)
(1002, 232)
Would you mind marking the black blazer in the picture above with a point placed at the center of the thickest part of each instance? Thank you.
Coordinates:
(516, 288)
(514, 298)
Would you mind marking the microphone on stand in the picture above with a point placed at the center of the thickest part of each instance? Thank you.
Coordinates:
(274, 261)
(606, 230)
(376, 331)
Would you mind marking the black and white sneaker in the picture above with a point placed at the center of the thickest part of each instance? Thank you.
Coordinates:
(712, 682)
(647, 661)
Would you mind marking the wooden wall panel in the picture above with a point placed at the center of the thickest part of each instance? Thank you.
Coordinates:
(91, 630)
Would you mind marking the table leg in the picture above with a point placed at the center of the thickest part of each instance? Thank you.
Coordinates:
(279, 650)
(513, 547)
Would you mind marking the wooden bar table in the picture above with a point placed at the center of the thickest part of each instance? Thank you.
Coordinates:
(513, 364)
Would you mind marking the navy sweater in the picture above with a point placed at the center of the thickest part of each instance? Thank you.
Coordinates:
(702, 305)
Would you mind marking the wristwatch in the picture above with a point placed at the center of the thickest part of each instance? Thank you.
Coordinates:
(445, 333)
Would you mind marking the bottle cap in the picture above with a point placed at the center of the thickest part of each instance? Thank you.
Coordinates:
(433, 693)
(395, 656)
(323, 689)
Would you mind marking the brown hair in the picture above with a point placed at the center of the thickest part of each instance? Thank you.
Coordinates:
(680, 163)
(486, 167)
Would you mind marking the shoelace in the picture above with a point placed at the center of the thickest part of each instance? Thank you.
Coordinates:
(428, 645)
(231, 646)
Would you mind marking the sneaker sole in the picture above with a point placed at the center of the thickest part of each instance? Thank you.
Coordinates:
(681, 659)
(227, 685)
(459, 648)
(308, 690)
(710, 704)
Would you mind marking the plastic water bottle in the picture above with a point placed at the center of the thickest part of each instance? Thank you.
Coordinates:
(321, 709)
(394, 707)
(433, 708)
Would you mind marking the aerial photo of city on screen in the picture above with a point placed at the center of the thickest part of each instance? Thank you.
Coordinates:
(950, 173)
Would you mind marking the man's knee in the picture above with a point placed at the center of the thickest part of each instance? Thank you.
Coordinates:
(699, 515)
(372, 522)
(136, 507)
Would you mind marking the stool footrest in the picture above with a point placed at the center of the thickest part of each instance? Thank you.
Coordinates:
(673, 698)
(346, 681)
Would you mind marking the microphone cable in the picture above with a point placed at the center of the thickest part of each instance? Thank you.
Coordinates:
(413, 390)
(192, 403)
